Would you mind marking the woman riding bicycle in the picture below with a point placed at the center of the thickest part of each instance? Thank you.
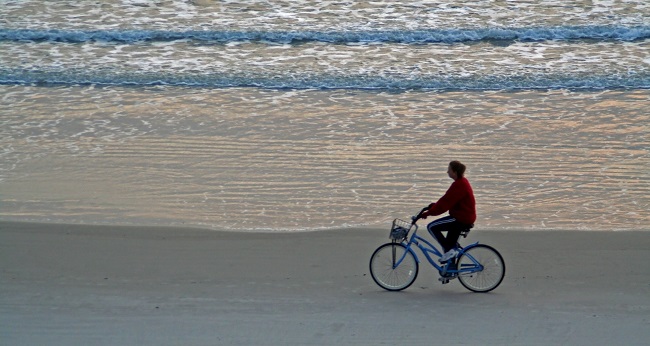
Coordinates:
(460, 203)
(480, 268)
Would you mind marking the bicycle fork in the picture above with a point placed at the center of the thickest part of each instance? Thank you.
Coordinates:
(397, 259)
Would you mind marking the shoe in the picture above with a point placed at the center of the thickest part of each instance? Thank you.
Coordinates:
(448, 255)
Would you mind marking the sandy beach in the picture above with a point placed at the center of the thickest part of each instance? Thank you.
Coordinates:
(256, 152)
(101, 285)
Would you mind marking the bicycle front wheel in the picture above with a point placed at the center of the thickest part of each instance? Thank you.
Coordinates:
(494, 269)
(393, 267)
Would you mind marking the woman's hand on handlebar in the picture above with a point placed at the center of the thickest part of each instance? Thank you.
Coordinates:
(422, 214)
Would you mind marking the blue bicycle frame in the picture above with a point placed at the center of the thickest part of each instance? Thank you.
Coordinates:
(427, 248)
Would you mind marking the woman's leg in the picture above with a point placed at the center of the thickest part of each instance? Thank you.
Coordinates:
(445, 224)
(453, 234)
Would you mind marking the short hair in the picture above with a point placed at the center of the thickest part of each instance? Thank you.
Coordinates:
(458, 168)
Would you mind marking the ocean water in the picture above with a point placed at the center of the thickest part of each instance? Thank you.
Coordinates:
(309, 115)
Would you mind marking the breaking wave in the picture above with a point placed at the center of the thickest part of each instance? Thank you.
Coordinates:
(620, 33)
(324, 81)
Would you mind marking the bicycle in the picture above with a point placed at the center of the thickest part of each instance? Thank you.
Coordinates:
(394, 266)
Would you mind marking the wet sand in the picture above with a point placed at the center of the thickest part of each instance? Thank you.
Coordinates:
(102, 285)
(248, 158)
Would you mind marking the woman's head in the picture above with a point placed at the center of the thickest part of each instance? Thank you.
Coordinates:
(456, 170)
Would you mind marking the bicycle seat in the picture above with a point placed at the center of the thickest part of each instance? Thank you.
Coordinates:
(465, 231)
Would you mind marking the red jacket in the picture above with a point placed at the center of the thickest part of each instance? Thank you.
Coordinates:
(459, 201)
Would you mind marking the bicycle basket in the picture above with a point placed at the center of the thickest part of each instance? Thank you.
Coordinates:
(400, 230)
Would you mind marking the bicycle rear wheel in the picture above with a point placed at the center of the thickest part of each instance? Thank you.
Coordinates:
(494, 269)
(384, 271)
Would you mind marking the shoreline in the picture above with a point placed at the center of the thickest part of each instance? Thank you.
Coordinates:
(385, 227)
(75, 284)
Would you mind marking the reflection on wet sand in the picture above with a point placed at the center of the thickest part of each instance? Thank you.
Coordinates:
(264, 159)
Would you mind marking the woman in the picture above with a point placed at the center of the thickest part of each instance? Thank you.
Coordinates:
(460, 203)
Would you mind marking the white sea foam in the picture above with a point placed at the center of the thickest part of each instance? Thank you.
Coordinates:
(317, 15)
(317, 65)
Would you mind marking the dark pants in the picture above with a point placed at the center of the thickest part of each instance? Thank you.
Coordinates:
(449, 225)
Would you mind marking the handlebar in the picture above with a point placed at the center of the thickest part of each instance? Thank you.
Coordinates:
(415, 218)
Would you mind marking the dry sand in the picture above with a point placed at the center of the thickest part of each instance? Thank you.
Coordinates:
(96, 285)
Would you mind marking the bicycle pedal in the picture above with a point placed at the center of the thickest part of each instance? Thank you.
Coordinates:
(443, 280)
